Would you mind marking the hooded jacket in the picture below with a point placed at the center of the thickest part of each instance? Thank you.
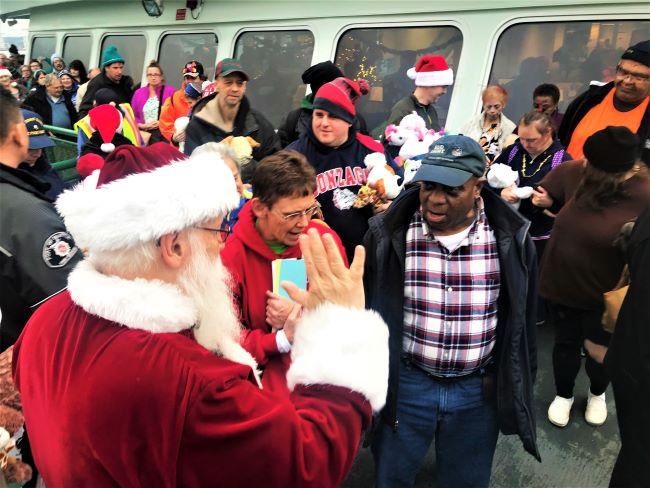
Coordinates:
(515, 352)
(340, 172)
(174, 107)
(248, 122)
(248, 258)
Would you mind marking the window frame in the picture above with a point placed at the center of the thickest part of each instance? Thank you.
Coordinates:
(89, 35)
(36, 35)
(272, 28)
(141, 33)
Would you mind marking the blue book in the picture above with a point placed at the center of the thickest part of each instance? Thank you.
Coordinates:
(292, 270)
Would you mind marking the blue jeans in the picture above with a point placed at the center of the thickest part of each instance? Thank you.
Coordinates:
(455, 415)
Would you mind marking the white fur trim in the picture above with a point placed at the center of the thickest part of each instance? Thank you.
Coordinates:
(432, 78)
(342, 347)
(107, 147)
(145, 206)
(153, 306)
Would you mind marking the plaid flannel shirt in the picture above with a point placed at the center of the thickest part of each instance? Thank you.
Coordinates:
(450, 299)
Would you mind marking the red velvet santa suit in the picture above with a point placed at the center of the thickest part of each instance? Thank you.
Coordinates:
(248, 258)
(117, 393)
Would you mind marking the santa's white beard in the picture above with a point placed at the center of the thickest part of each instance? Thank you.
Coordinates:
(205, 282)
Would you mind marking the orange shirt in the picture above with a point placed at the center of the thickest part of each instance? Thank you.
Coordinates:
(601, 116)
(174, 107)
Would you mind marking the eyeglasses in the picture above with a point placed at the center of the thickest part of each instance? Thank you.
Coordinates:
(154, 75)
(223, 232)
(638, 77)
(296, 216)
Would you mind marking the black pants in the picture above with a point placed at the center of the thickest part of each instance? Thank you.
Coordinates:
(540, 245)
(572, 326)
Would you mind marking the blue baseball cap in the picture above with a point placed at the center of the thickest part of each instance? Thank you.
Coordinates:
(451, 161)
(38, 139)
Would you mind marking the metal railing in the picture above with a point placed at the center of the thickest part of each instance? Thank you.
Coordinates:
(63, 155)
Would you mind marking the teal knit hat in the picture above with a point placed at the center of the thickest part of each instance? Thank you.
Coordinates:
(110, 56)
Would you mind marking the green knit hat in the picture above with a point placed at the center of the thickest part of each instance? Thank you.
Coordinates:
(110, 56)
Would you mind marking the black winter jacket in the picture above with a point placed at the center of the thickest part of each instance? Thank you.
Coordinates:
(248, 122)
(584, 102)
(36, 251)
(37, 102)
(123, 89)
(515, 352)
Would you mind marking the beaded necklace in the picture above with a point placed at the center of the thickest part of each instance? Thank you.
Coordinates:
(524, 165)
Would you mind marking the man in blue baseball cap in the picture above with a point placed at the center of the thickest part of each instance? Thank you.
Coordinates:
(35, 161)
(451, 269)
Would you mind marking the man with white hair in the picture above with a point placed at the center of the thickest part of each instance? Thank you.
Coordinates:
(135, 375)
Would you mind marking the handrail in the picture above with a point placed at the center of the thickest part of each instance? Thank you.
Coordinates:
(60, 130)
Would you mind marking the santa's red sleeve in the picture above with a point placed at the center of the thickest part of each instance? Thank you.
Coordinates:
(339, 374)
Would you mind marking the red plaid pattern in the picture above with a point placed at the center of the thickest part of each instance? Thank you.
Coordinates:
(450, 299)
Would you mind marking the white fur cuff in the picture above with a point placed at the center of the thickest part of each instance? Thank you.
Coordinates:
(342, 347)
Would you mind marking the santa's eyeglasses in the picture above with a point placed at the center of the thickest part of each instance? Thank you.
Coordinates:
(223, 232)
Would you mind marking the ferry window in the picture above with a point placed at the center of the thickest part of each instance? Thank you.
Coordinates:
(567, 54)
(178, 49)
(274, 60)
(43, 47)
(77, 47)
(382, 55)
(131, 48)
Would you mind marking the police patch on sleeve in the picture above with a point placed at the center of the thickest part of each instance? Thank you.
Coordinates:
(58, 249)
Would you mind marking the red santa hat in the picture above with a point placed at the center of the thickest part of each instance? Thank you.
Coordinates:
(106, 120)
(339, 96)
(88, 163)
(431, 70)
(143, 193)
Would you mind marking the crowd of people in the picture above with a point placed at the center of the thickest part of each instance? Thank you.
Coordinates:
(152, 344)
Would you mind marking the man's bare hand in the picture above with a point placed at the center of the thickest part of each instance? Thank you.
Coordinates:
(329, 280)
(508, 194)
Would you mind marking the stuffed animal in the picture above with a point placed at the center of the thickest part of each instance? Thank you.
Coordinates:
(381, 176)
(503, 176)
(243, 147)
(396, 135)
(411, 167)
(180, 124)
(414, 124)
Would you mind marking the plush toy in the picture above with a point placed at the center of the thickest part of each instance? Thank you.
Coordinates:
(503, 176)
(414, 124)
(381, 176)
(411, 167)
(396, 135)
(180, 124)
(243, 147)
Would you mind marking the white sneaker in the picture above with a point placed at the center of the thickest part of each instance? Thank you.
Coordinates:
(596, 412)
(560, 410)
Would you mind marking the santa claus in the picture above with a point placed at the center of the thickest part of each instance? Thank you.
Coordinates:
(135, 375)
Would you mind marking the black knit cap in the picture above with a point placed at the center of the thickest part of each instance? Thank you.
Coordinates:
(640, 53)
(319, 74)
(614, 149)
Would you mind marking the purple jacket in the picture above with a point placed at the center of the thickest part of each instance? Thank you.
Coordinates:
(140, 98)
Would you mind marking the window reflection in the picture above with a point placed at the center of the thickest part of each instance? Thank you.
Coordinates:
(178, 49)
(77, 47)
(383, 55)
(275, 61)
(43, 47)
(567, 54)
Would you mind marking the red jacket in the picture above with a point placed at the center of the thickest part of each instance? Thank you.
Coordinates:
(116, 392)
(248, 258)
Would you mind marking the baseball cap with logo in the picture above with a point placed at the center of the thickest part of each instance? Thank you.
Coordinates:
(193, 69)
(228, 66)
(451, 161)
(38, 139)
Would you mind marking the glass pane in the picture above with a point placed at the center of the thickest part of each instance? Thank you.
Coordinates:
(43, 47)
(567, 54)
(274, 61)
(77, 47)
(382, 56)
(178, 49)
(131, 48)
